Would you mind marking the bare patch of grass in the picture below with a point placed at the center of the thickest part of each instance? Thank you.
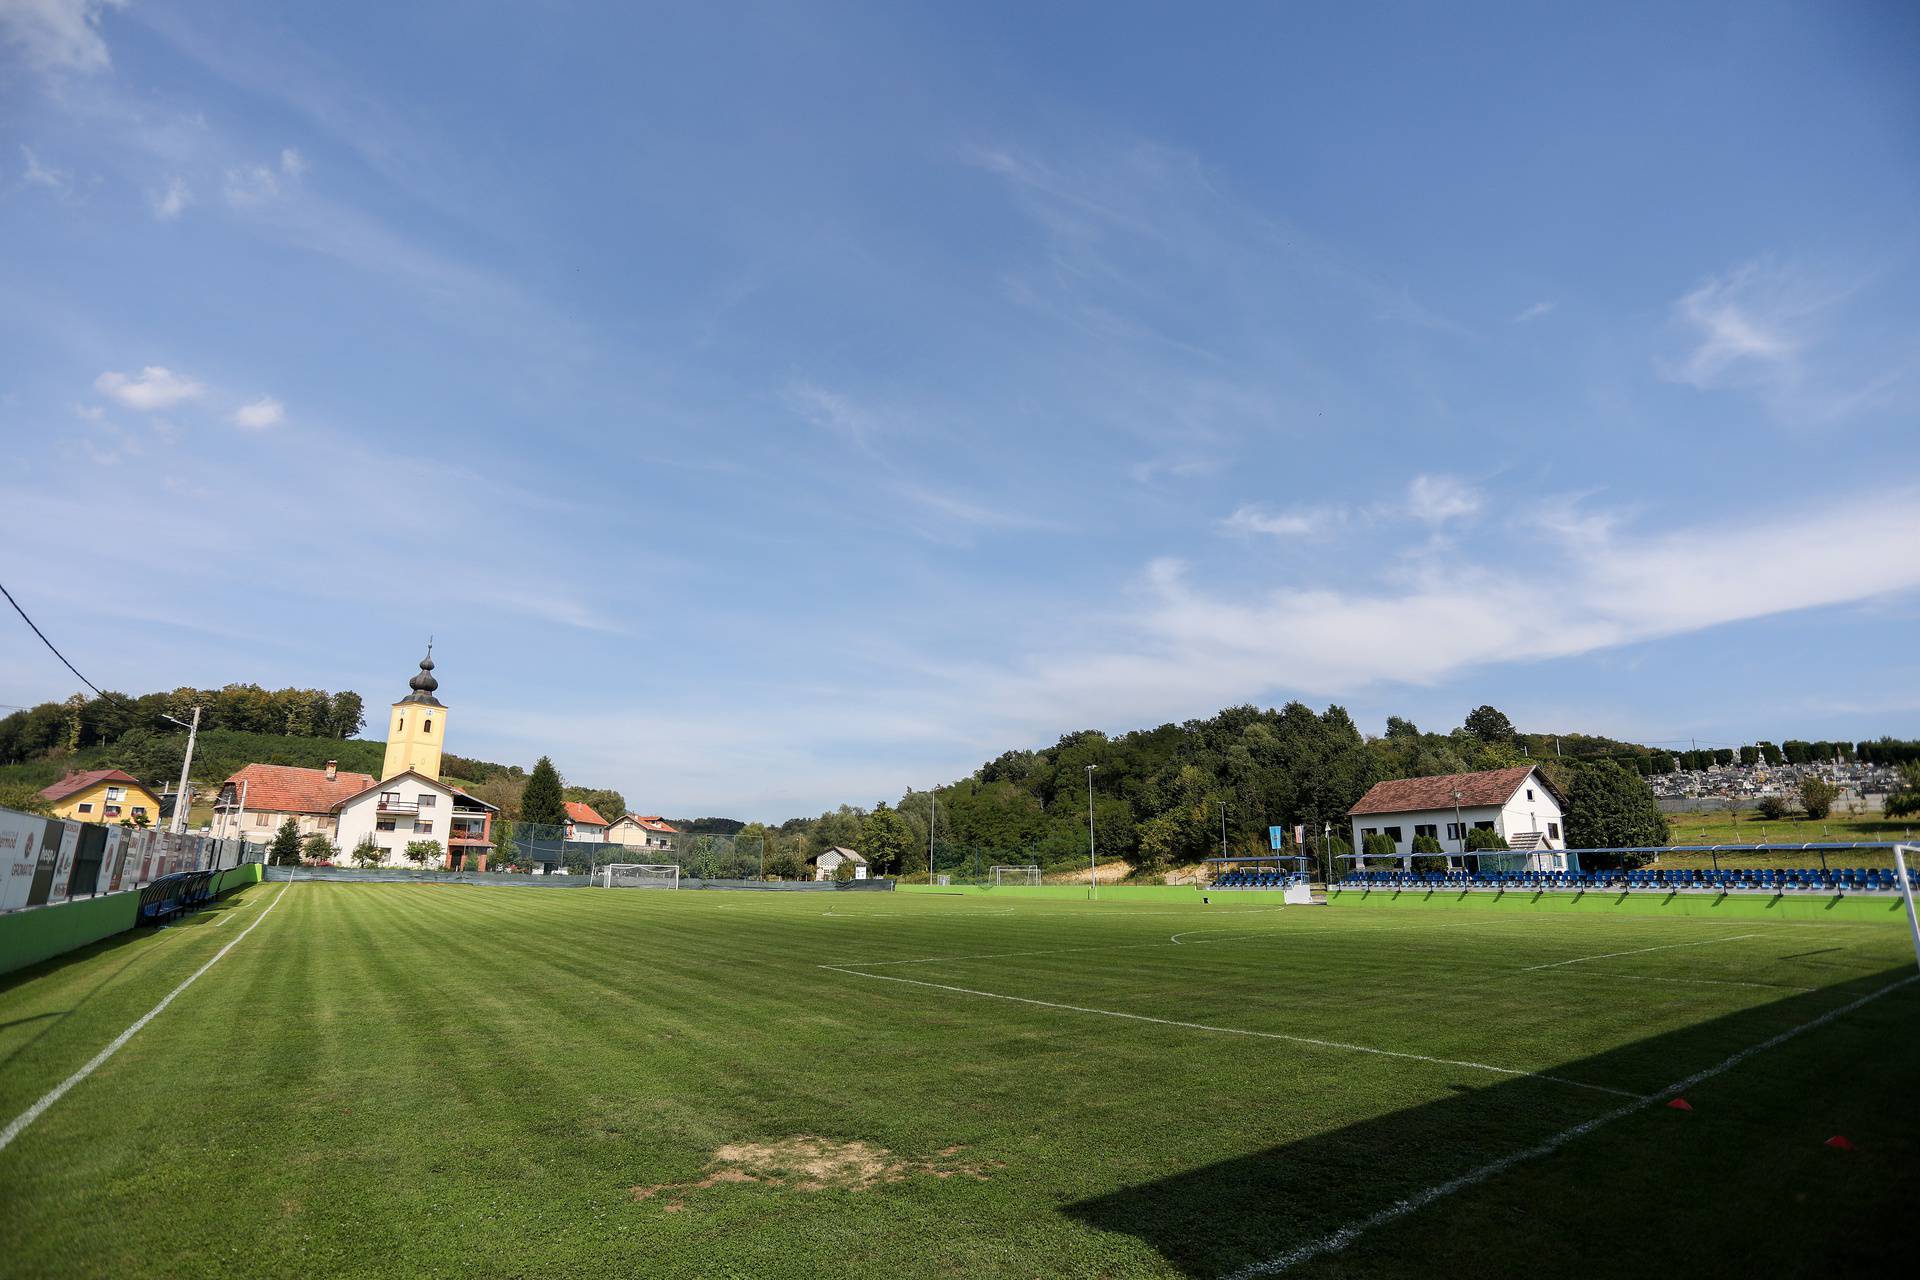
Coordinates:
(806, 1163)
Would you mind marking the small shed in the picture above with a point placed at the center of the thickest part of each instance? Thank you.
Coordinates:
(827, 865)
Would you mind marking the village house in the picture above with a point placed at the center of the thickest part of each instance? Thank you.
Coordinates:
(1518, 803)
(584, 824)
(827, 864)
(103, 795)
(643, 831)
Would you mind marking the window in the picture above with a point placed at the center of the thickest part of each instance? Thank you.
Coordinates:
(389, 798)
(1483, 826)
(429, 729)
(1529, 793)
(1553, 831)
(116, 793)
(139, 811)
(87, 808)
(262, 820)
(1426, 829)
(400, 723)
(383, 824)
(426, 800)
(1393, 834)
(1368, 831)
(423, 828)
(112, 811)
(1456, 830)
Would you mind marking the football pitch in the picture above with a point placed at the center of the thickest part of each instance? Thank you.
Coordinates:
(422, 1080)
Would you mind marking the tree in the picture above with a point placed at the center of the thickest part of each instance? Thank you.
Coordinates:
(316, 848)
(285, 849)
(23, 797)
(843, 872)
(885, 840)
(610, 805)
(1906, 800)
(1610, 808)
(367, 853)
(1774, 808)
(347, 714)
(1486, 838)
(1817, 795)
(542, 804)
(783, 864)
(424, 851)
(1490, 726)
(1379, 845)
(1427, 844)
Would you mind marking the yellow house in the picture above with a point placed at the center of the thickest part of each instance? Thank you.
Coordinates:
(103, 795)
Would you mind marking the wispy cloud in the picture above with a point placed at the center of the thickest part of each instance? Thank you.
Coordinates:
(261, 413)
(36, 174)
(1437, 499)
(1742, 324)
(58, 35)
(1254, 518)
(170, 203)
(154, 387)
(1538, 311)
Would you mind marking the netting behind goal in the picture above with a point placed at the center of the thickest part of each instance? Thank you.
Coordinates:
(634, 875)
(1013, 875)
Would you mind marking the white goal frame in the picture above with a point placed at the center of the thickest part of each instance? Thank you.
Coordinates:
(606, 875)
(1029, 875)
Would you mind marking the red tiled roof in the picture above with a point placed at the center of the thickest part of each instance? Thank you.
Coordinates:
(652, 822)
(74, 783)
(285, 788)
(584, 813)
(1402, 795)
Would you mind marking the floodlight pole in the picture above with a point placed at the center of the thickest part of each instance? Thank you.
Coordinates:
(1906, 890)
(933, 817)
(1093, 869)
(186, 763)
(1459, 825)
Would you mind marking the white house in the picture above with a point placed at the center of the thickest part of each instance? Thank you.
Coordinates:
(642, 831)
(584, 824)
(411, 806)
(1518, 803)
(829, 862)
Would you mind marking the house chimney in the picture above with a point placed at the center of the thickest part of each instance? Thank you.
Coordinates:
(333, 770)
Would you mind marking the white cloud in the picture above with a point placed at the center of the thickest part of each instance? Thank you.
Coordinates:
(58, 35)
(152, 388)
(1253, 518)
(1742, 323)
(168, 204)
(292, 163)
(1535, 312)
(251, 185)
(36, 174)
(1437, 499)
(264, 412)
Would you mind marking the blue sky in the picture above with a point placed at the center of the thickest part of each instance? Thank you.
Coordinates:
(774, 406)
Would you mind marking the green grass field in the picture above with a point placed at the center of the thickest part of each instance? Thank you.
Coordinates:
(418, 1080)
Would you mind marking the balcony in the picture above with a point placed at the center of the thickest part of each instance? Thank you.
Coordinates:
(394, 804)
(469, 836)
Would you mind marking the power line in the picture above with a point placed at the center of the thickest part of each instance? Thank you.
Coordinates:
(56, 652)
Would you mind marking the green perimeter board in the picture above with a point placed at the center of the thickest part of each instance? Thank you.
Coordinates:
(1751, 906)
(40, 933)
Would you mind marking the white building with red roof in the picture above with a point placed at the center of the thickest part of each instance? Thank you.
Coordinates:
(643, 831)
(275, 792)
(1518, 803)
(584, 824)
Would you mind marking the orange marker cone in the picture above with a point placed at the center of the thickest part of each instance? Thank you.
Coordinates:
(1839, 1143)
(1680, 1104)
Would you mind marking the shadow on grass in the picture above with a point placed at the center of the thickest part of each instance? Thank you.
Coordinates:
(1694, 1210)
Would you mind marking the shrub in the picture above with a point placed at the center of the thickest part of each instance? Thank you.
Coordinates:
(1427, 844)
(1817, 795)
(1774, 808)
(317, 848)
(1379, 844)
(424, 851)
(367, 853)
(1485, 838)
(285, 849)
(843, 872)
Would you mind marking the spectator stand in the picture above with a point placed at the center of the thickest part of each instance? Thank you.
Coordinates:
(1268, 871)
(1777, 881)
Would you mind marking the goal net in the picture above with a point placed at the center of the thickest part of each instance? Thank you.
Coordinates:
(638, 875)
(1013, 875)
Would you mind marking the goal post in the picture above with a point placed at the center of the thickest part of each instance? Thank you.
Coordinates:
(1013, 875)
(639, 875)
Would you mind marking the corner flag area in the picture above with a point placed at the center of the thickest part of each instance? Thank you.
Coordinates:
(435, 1080)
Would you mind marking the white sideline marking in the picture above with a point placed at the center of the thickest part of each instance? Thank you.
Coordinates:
(58, 1091)
(1353, 1231)
(1637, 951)
(1712, 982)
(1240, 1031)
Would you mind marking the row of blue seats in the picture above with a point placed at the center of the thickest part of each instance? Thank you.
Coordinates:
(170, 895)
(1258, 880)
(1837, 880)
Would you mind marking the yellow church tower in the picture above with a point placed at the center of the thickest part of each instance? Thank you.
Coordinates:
(418, 727)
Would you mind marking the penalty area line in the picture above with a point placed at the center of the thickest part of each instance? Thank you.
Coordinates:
(1348, 1234)
(53, 1095)
(1637, 951)
(1242, 1031)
